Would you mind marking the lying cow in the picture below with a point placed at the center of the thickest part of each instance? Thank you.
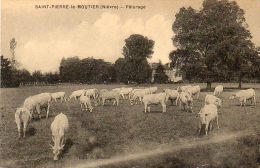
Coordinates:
(59, 127)
(154, 99)
(244, 95)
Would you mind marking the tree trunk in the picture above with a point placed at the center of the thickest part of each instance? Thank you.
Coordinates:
(208, 86)
(240, 81)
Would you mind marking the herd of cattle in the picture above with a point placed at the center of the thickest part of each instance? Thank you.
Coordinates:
(182, 96)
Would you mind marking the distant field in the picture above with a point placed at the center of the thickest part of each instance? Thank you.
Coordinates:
(127, 129)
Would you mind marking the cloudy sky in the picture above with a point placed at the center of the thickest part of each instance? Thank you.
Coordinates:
(44, 36)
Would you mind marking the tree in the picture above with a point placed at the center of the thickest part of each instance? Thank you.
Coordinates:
(8, 75)
(37, 76)
(209, 41)
(23, 76)
(13, 44)
(160, 76)
(134, 66)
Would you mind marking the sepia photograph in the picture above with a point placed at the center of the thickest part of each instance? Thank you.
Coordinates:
(130, 84)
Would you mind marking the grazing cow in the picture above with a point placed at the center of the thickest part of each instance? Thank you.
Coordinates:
(207, 114)
(123, 91)
(194, 91)
(59, 127)
(38, 102)
(244, 95)
(85, 101)
(139, 94)
(109, 95)
(76, 94)
(186, 101)
(172, 95)
(58, 95)
(211, 99)
(22, 116)
(154, 99)
(218, 90)
(92, 93)
(183, 88)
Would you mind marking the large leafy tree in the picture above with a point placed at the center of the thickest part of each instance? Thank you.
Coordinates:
(134, 66)
(213, 42)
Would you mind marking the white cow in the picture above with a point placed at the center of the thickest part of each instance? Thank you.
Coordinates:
(125, 91)
(131, 94)
(183, 88)
(139, 94)
(218, 90)
(92, 93)
(22, 116)
(85, 101)
(59, 127)
(207, 114)
(186, 101)
(194, 91)
(58, 95)
(38, 102)
(109, 95)
(76, 94)
(154, 99)
(172, 95)
(211, 99)
(244, 95)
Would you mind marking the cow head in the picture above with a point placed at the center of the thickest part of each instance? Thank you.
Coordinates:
(56, 151)
(202, 117)
(218, 102)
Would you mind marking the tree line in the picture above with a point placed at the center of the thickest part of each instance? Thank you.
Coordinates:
(213, 44)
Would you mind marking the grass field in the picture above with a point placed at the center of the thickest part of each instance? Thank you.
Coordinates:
(124, 130)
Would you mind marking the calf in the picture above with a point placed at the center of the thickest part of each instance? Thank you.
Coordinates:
(110, 95)
(211, 99)
(76, 94)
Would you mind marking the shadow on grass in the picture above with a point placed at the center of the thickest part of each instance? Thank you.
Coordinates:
(68, 145)
(31, 131)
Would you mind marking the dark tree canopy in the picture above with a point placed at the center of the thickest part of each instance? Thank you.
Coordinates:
(213, 42)
(138, 47)
(134, 67)
(160, 76)
(88, 70)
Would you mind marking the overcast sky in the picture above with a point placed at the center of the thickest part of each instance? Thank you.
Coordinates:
(44, 36)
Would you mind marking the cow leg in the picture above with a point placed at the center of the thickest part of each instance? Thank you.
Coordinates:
(199, 128)
(86, 107)
(217, 121)
(19, 129)
(48, 110)
(24, 128)
(145, 107)
(206, 128)
(103, 102)
(38, 111)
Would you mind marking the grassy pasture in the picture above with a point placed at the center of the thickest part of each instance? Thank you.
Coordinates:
(127, 129)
